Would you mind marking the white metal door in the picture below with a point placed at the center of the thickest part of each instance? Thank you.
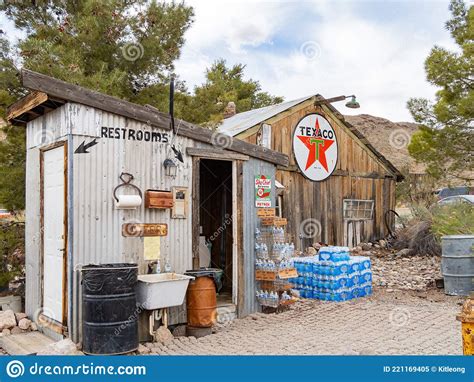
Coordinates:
(54, 233)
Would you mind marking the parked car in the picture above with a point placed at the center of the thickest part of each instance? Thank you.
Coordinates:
(5, 214)
(469, 199)
(454, 191)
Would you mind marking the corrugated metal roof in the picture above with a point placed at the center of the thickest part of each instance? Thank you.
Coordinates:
(243, 121)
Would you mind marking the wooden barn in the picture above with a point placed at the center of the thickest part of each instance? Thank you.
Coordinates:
(340, 199)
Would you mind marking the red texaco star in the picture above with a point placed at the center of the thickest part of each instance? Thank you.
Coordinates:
(317, 149)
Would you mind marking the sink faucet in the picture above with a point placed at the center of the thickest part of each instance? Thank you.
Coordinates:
(154, 267)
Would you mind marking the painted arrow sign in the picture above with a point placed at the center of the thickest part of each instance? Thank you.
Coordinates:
(83, 147)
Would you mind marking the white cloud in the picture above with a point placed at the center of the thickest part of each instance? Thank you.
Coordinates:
(348, 53)
(375, 51)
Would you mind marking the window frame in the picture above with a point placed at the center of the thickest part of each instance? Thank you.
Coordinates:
(353, 214)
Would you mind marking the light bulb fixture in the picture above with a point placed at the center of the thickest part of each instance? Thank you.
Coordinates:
(170, 168)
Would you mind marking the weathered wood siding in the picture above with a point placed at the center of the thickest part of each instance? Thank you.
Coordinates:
(358, 175)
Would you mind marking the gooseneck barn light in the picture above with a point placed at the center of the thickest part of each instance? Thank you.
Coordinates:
(352, 104)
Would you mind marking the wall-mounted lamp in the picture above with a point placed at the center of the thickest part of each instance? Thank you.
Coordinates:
(352, 104)
(170, 168)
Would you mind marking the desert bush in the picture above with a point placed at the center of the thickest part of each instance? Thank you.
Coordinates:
(12, 249)
(422, 232)
(417, 236)
(453, 219)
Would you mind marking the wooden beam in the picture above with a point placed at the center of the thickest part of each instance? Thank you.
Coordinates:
(216, 154)
(63, 90)
(367, 175)
(195, 213)
(26, 104)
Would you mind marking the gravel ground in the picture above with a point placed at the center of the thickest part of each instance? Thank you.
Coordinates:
(396, 323)
(405, 315)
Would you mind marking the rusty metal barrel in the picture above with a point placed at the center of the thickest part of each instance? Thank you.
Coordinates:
(201, 300)
(458, 264)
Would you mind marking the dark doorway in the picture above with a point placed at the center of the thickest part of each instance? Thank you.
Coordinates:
(215, 215)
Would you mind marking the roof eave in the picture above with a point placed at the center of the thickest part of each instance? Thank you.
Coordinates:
(62, 91)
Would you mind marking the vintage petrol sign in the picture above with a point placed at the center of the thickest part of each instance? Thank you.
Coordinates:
(315, 147)
(263, 189)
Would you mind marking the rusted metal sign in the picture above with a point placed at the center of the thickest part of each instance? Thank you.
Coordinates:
(144, 229)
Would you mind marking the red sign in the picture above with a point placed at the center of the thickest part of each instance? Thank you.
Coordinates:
(315, 147)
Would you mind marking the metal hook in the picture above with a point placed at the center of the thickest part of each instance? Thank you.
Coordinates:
(126, 183)
(130, 177)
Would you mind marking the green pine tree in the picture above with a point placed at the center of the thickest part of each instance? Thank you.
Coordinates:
(225, 84)
(445, 140)
(119, 47)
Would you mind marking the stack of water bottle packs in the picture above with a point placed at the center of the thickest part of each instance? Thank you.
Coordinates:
(333, 275)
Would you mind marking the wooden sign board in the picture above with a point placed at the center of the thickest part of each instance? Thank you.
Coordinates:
(288, 273)
(265, 212)
(144, 229)
(265, 275)
(280, 221)
(268, 221)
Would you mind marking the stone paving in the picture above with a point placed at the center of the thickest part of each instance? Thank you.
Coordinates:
(394, 323)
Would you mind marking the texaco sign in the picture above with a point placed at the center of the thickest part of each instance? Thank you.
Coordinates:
(315, 147)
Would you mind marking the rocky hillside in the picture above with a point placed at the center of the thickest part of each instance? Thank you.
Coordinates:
(389, 138)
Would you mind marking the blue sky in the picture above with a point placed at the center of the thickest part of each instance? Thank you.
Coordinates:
(375, 49)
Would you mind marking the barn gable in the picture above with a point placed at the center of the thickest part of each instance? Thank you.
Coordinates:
(358, 156)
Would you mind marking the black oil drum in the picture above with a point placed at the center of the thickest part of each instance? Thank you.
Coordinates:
(109, 308)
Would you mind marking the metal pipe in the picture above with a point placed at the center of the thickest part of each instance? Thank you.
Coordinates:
(154, 316)
(171, 105)
(73, 334)
(331, 100)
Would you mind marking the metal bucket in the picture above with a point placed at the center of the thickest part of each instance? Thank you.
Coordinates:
(457, 264)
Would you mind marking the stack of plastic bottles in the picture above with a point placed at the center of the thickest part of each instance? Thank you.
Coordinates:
(269, 298)
(333, 275)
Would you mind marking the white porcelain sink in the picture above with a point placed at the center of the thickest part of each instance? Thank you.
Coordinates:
(162, 290)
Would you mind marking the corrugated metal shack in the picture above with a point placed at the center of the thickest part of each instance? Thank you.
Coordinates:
(348, 205)
(78, 144)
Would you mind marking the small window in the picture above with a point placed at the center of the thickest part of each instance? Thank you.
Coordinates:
(355, 209)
